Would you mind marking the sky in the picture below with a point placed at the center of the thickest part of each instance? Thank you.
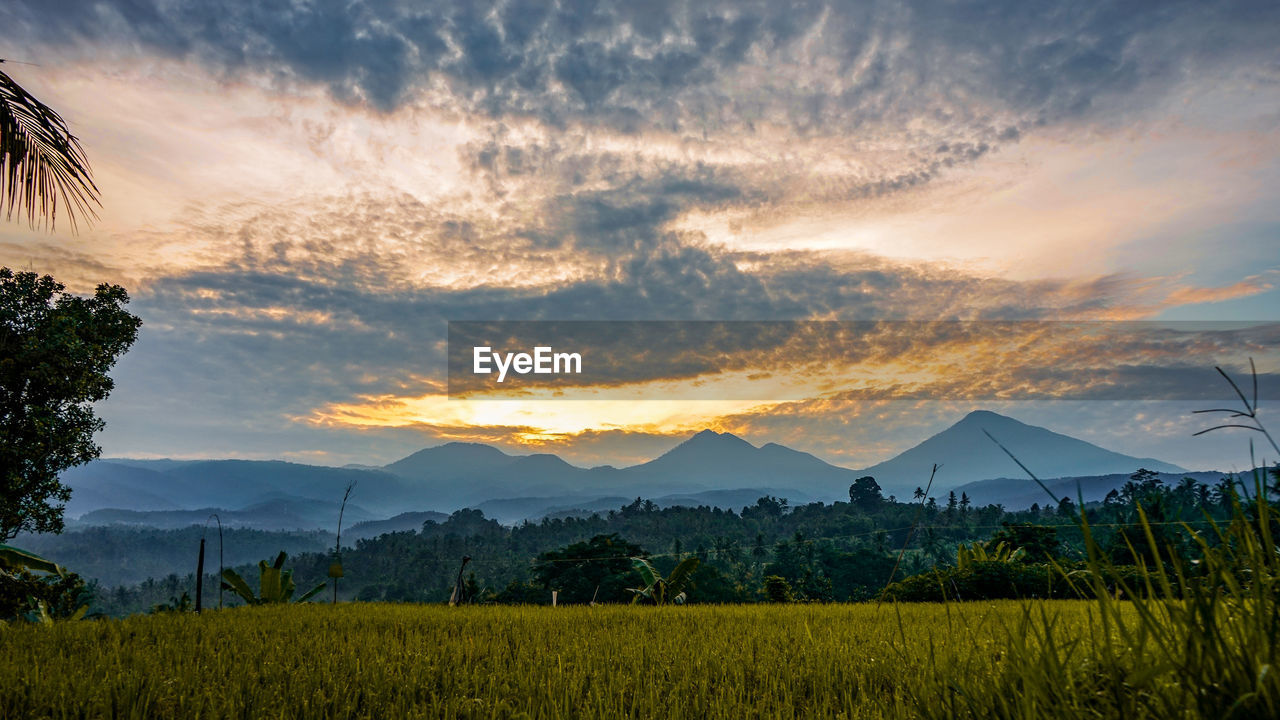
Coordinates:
(301, 196)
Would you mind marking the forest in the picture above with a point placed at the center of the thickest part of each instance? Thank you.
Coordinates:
(767, 552)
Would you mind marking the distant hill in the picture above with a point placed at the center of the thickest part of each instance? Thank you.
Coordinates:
(287, 513)
(967, 455)
(708, 468)
(470, 475)
(226, 484)
(400, 523)
(1018, 494)
(459, 475)
(513, 510)
(715, 461)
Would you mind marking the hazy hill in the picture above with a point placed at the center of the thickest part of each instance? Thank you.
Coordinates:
(451, 460)
(708, 468)
(224, 484)
(513, 510)
(400, 523)
(720, 461)
(284, 513)
(967, 455)
(463, 474)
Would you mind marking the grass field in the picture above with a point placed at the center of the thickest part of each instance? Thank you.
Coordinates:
(388, 661)
(1198, 639)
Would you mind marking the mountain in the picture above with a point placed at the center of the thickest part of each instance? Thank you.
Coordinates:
(714, 461)
(108, 484)
(400, 523)
(226, 484)
(966, 455)
(505, 486)
(457, 475)
(451, 460)
(282, 513)
(514, 510)
(708, 468)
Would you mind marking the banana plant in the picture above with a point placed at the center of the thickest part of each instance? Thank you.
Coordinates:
(42, 616)
(966, 555)
(13, 559)
(659, 590)
(275, 584)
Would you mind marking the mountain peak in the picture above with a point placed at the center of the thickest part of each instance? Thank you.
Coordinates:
(711, 438)
(710, 460)
(450, 460)
(965, 455)
(985, 416)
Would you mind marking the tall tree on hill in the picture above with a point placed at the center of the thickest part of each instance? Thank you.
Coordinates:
(865, 493)
(55, 351)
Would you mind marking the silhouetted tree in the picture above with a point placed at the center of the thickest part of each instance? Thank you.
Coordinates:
(55, 351)
(1039, 542)
(576, 570)
(864, 493)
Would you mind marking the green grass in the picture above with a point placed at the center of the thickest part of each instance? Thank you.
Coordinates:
(385, 661)
(1197, 639)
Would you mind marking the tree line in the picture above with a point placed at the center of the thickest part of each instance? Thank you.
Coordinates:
(767, 552)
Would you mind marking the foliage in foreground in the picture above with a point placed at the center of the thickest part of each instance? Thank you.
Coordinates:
(36, 589)
(1193, 638)
(1174, 639)
(1204, 651)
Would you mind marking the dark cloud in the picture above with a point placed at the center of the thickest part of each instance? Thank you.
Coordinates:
(807, 64)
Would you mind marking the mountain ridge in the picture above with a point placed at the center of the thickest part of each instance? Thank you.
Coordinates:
(455, 475)
(965, 453)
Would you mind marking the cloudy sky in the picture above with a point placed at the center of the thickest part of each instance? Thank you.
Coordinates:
(300, 196)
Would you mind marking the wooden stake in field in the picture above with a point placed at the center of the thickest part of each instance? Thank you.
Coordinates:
(200, 576)
(199, 572)
(459, 595)
(335, 569)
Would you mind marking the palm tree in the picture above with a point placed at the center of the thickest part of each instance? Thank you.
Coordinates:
(42, 166)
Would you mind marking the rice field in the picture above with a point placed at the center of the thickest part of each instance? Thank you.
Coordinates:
(391, 661)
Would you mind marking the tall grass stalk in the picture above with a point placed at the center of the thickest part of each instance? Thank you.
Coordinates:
(1190, 638)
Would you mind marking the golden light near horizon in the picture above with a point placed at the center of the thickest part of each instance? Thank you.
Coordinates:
(947, 362)
(536, 421)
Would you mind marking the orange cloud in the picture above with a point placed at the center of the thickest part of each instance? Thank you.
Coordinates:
(1252, 285)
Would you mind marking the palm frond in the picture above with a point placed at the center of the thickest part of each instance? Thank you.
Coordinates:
(13, 559)
(232, 581)
(42, 166)
(676, 581)
(311, 593)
